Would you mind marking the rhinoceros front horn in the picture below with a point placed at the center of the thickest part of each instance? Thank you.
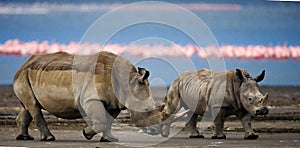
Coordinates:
(174, 117)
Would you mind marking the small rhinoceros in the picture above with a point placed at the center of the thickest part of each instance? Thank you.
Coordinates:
(220, 93)
(94, 87)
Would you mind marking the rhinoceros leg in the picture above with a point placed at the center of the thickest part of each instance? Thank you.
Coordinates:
(192, 125)
(98, 121)
(23, 121)
(26, 96)
(107, 135)
(246, 122)
(220, 115)
(41, 124)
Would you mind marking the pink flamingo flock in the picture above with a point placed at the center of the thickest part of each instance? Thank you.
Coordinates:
(16, 47)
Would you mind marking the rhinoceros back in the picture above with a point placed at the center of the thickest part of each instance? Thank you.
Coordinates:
(200, 89)
(194, 88)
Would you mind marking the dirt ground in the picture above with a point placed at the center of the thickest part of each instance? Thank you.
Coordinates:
(132, 138)
(280, 128)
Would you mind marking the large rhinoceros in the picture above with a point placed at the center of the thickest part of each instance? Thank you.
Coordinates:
(220, 93)
(71, 87)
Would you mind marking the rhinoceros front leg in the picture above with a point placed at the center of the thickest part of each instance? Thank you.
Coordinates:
(23, 121)
(107, 135)
(97, 121)
(246, 122)
(219, 114)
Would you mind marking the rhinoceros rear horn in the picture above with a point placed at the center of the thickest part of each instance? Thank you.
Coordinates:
(145, 73)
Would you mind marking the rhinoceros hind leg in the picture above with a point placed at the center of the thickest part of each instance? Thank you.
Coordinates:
(24, 137)
(251, 137)
(23, 121)
(192, 125)
(109, 139)
(32, 111)
(41, 124)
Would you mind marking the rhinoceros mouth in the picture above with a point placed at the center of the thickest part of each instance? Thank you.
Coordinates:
(262, 111)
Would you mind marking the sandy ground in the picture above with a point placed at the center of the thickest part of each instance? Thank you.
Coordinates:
(280, 128)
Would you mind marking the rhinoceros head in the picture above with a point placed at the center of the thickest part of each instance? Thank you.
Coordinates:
(250, 96)
(142, 108)
(133, 91)
(140, 103)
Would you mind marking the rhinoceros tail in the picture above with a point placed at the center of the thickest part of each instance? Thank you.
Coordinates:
(172, 98)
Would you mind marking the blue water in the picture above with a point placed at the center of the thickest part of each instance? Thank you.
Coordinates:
(259, 23)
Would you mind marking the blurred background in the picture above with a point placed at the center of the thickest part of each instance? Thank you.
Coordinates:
(268, 26)
(253, 35)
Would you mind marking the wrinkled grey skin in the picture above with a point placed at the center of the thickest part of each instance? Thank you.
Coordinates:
(59, 85)
(207, 89)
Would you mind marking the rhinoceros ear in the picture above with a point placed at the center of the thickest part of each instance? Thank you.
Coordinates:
(240, 74)
(145, 73)
(260, 77)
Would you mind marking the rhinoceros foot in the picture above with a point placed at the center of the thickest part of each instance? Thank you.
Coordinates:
(24, 137)
(109, 139)
(47, 138)
(88, 135)
(196, 135)
(218, 137)
(251, 137)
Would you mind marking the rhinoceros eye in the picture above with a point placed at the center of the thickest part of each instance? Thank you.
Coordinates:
(250, 99)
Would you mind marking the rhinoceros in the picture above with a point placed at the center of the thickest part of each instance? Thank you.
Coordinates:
(221, 94)
(71, 87)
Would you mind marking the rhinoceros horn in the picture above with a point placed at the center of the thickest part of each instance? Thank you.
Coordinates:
(167, 120)
(265, 99)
